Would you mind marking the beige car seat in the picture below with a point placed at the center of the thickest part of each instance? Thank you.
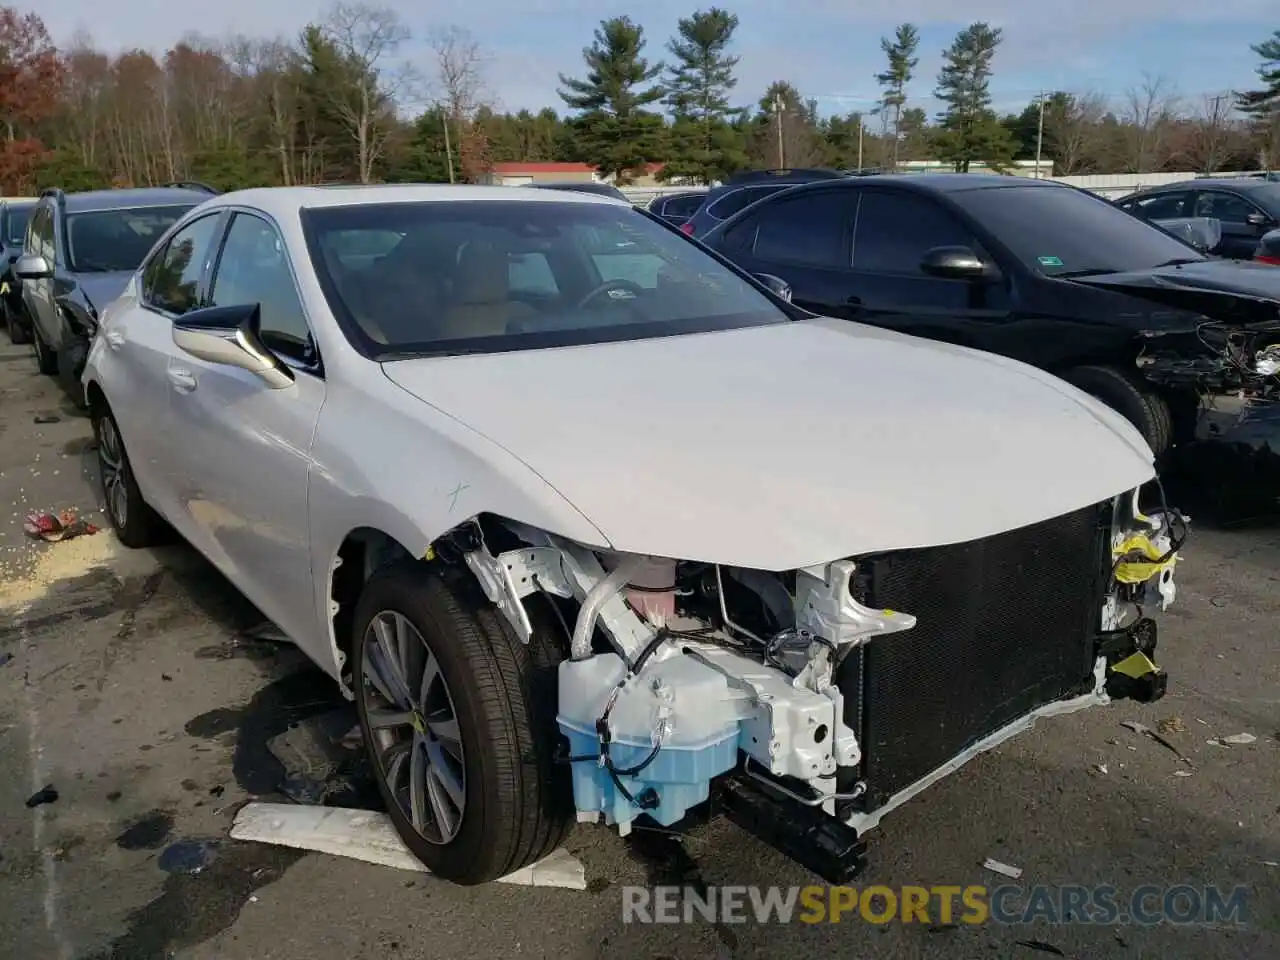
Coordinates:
(480, 304)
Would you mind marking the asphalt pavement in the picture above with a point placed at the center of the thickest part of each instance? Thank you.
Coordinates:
(134, 684)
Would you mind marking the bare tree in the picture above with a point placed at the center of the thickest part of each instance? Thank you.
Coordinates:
(1210, 134)
(1072, 129)
(1151, 108)
(459, 67)
(367, 37)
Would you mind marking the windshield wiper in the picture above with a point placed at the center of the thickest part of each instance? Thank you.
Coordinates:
(1091, 272)
(1178, 261)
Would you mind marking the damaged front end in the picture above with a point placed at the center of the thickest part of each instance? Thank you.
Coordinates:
(805, 704)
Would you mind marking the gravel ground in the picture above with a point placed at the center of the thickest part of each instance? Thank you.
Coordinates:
(128, 686)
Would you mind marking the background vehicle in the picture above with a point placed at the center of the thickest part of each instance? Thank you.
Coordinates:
(722, 202)
(1247, 207)
(79, 252)
(1269, 249)
(14, 213)
(598, 189)
(471, 489)
(677, 207)
(1030, 269)
(1203, 233)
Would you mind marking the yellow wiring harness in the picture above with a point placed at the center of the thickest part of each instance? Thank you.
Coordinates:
(1139, 560)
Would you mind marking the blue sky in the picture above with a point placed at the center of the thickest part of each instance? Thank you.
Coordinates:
(827, 49)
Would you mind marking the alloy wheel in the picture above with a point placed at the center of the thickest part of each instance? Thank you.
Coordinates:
(111, 464)
(413, 727)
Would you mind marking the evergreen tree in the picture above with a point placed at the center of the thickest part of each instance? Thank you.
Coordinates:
(901, 51)
(705, 147)
(970, 131)
(615, 133)
(1266, 101)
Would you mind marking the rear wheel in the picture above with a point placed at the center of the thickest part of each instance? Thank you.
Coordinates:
(1144, 408)
(455, 715)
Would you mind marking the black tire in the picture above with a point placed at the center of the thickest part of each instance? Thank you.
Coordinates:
(140, 526)
(1143, 408)
(13, 326)
(518, 804)
(46, 359)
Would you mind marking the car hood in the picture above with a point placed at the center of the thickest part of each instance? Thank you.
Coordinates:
(792, 444)
(1233, 291)
(103, 288)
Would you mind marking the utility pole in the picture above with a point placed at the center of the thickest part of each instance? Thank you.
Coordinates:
(448, 149)
(777, 112)
(860, 127)
(1040, 135)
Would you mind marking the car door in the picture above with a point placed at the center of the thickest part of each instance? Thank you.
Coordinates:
(37, 292)
(135, 346)
(804, 239)
(246, 446)
(893, 231)
(1239, 237)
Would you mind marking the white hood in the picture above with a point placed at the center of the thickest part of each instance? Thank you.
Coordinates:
(794, 444)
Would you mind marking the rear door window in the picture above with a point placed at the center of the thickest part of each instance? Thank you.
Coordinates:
(895, 229)
(736, 200)
(1226, 207)
(812, 230)
(1163, 206)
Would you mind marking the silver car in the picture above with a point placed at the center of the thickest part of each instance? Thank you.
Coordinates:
(591, 524)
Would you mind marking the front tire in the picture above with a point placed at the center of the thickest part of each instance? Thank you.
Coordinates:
(46, 359)
(133, 520)
(1145, 409)
(455, 715)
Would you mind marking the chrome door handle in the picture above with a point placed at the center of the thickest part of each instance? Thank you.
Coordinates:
(115, 339)
(184, 381)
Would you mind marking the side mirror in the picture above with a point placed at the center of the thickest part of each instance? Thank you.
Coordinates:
(956, 263)
(32, 268)
(777, 286)
(1258, 220)
(230, 336)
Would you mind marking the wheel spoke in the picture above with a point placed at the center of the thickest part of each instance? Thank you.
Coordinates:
(430, 673)
(393, 761)
(441, 805)
(444, 774)
(445, 730)
(389, 671)
(418, 786)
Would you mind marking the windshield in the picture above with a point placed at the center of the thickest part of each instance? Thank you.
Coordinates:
(106, 241)
(1063, 232)
(18, 217)
(500, 275)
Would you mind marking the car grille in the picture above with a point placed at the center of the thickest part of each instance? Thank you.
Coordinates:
(1004, 625)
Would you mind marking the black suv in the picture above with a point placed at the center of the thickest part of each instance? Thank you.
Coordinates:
(14, 215)
(1043, 273)
(1247, 208)
(81, 249)
(743, 189)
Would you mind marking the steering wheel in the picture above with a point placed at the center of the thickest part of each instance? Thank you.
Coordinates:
(618, 284)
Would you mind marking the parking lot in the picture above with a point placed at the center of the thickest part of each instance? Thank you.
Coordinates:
(132, 684)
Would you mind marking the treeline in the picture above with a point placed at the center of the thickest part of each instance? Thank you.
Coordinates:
(333, 104)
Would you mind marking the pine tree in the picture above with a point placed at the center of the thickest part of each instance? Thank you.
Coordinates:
(705, 147)
(1263, 105)
(615, 133)
(901, 51)
(970, 130)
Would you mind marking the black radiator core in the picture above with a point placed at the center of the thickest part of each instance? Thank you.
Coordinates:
(1003, 625)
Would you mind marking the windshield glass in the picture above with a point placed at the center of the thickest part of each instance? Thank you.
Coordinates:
(1063, 232)
(499, 275)
(18, 218)
(117, 240)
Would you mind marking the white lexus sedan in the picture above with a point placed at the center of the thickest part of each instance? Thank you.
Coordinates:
(594, 526)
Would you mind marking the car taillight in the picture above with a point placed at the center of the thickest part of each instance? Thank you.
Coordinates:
(1272, 260)
(686, 228)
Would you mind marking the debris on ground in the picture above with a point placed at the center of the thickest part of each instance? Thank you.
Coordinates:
(1240, 739)
(1144, 730)
(368, 836)
(5, 658)
(53, 527)
(1171, 725)
(187, 856)
(46, 418)
(1041, 946)
(46, 794)
(1182, 773)
(1101, 768)
(995, 866)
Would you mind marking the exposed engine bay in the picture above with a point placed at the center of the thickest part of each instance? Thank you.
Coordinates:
(805, 704)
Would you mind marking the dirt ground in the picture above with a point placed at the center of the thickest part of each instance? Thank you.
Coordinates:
(129, 685)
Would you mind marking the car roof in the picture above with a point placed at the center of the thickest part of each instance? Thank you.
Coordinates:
(20, 202)
(934, 182)
(92, 201)
(287, 201)
(1238, 184)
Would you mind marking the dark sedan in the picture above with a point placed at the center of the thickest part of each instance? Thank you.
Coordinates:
(1247, 208)
(1037, 271)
